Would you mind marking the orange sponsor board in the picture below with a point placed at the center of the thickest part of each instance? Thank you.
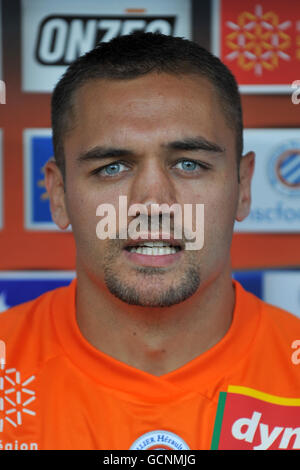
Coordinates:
(252, 420)
(259, 41)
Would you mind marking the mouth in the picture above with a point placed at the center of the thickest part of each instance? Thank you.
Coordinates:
(157, 252)
(154, 247)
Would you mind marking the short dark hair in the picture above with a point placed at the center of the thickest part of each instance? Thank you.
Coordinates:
(134, 55)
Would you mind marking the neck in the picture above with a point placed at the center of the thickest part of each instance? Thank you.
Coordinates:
(155, 340)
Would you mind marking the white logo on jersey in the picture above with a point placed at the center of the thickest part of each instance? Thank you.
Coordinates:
(15, 397)
(159, 440)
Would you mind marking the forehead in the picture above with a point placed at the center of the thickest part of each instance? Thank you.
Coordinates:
(154, 106)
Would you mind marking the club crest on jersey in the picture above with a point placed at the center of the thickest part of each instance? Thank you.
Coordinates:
(159, 440)
(252, 420)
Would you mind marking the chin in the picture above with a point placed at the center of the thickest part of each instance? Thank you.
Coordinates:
(151, 291)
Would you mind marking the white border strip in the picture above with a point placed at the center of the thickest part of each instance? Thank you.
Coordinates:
(257, 89)
(39, 275)
(215, 27)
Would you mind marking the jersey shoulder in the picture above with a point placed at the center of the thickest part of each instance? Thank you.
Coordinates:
(278, 335)
(275, 316)
(281, 319)
(28, 331)
(22, 315)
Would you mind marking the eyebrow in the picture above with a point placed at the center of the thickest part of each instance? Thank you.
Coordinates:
(99, 153)
(195, 143)
(186, 144)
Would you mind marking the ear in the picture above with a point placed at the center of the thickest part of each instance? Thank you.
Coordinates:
(246, 173)
(56, 190)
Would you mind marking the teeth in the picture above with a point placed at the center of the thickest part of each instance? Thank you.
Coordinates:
(153, 251)
(155, 244)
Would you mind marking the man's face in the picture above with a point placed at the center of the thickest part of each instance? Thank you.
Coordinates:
(137, 134)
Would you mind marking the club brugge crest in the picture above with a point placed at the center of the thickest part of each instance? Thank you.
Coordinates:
(284, 168)
(159, 440)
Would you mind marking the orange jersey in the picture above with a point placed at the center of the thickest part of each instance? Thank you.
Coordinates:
(59, 392)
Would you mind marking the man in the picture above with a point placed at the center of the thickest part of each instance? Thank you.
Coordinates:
(151, 347)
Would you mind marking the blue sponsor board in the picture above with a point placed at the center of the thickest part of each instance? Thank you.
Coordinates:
(38, 149)
(251, 281)
(21, 286)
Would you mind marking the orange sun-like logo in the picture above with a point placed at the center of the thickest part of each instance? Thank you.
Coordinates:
(258, 40)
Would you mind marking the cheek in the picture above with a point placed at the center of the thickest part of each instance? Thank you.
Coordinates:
(80, 208)
(82, 201)
(220, 202)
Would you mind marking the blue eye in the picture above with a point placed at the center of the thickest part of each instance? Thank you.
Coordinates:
(188, 165)
(112, 169)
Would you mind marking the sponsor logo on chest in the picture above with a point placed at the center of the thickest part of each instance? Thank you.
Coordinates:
(250, 419)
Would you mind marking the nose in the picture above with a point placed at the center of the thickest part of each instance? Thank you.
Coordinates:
(153, 185)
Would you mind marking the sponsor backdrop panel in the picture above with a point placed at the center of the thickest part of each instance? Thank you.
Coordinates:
(38, 150)
(283, 289)
(28, 240)
(259, 41)
(276, 181)
(55, 33)
(277, 287)
(21, 286)
(280, 288)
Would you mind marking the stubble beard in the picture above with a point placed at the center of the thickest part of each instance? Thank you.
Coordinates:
(148, 289)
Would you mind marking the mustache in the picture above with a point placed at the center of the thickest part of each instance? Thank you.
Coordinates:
(159, 232)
